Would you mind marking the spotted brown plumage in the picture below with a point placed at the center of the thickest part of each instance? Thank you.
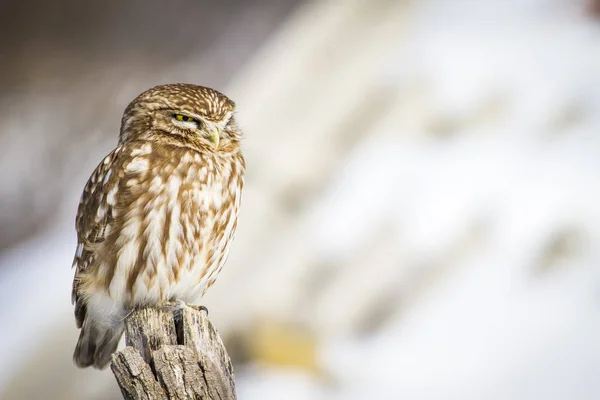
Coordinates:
(157, 216)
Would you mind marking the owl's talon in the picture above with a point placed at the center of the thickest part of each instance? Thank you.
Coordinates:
(128, 314)
(199, 308)
(180, 305)
(174, 306)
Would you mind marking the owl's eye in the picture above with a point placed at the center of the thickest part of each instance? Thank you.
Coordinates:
(187, 120)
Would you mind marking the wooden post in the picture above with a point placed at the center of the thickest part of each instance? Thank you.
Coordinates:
(173, 352)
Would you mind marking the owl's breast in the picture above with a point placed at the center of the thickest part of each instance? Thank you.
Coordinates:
(174, 234)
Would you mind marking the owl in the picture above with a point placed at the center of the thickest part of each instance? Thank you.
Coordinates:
(157, 217)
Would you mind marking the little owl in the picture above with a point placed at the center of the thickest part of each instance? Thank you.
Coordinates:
(157, 216)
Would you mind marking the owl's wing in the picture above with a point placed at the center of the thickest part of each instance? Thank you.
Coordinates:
(94, 214)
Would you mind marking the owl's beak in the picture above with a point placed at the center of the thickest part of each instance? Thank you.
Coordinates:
(214, 137)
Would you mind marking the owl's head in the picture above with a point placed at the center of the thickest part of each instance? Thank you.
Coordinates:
(194, 115)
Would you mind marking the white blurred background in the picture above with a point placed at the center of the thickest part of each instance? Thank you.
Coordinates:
(421, 216)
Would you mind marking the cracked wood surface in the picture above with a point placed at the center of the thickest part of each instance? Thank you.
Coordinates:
(173, 352)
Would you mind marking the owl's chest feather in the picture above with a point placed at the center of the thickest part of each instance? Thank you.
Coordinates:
(175, 232)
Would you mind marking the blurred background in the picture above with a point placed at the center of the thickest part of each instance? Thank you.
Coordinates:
(421, 215)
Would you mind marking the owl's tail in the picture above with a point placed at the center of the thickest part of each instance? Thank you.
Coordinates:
(96, 344)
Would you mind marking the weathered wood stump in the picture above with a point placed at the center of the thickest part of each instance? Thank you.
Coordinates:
(173, 352)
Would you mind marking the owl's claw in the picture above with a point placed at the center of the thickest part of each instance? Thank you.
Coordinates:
(199, 308)
(174, 306)
(178, 306)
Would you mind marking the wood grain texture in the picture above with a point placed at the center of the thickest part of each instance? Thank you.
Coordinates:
(173, 352)
(135, 377)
